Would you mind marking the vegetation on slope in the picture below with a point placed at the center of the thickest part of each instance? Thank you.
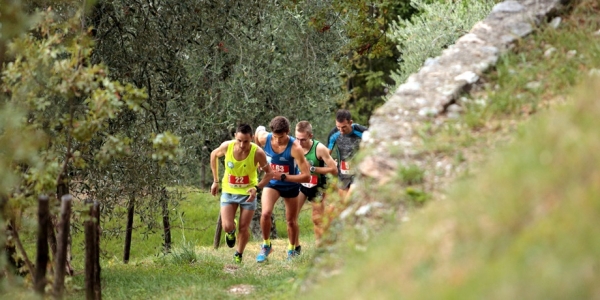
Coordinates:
(522, 224)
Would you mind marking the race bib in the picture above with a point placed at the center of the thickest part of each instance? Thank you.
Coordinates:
(238, 181)
(281, 168)
(345, 168)
(312, 183)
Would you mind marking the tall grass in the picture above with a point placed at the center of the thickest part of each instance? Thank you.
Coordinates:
(525, 228)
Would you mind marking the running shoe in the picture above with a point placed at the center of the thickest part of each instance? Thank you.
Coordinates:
(265, 250)
(292, 254)
(230, 237)
(298, 249)
(237, 257)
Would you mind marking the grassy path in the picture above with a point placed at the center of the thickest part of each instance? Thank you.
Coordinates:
(203, 273)
(193, 270)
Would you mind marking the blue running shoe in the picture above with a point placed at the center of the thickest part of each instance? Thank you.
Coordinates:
(265, 250)
(292, 254)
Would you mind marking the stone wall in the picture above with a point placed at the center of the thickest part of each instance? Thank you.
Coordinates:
(431, 94)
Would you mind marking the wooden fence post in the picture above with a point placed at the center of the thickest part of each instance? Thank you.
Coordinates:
(60, 260)
(129, 229)
(166, 223)
(218, 230)
(98, 233)
(93, 288)
(41, 261)
(90, 248)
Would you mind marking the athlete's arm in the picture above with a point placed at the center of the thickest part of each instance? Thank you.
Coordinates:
(331, 139)
(214, 160)
(324, 155)
(260, 136)
(304, 175)
(260, 158)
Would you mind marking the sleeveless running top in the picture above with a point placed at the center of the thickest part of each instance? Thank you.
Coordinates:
(239, 175)
(281, 162)
(315, 178)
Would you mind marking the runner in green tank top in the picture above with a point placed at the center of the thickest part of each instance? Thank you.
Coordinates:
(240, 183)
(321, 163)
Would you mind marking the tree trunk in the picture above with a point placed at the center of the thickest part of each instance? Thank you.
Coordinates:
(62, 188)
(15, 236)
(52, 236)
(60, 261)
(41, 261)
(129, 229)
(98, 232)
(166, 223)
(203, 175)
(218, 230)
(90, 253)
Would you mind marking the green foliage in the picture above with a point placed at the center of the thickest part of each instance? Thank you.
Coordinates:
(569, 56)
(14, 20)
(215, 65)
(166, 145)
(68, 100)
(369, 57)
(411, 174)
(19, 146)
(437, 26)
(417, 196)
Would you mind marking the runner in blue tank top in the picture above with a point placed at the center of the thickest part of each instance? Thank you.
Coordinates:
(286, 158)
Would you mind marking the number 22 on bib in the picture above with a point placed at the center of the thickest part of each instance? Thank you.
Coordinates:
(238, 181)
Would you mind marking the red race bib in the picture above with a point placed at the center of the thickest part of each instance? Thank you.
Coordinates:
(238, 181)
(345, 168)
(312, 183)
(281, 168)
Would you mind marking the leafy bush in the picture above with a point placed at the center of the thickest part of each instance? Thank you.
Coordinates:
(438, 26)
(411, 174)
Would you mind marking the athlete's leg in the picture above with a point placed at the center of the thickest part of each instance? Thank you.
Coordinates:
(244, 233)
(227, 216)
(268, 200)
(301, 200)
(343, 193)
(344, 189)
(291, 217)
(349, 193)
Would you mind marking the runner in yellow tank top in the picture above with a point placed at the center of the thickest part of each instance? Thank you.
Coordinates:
(240, 184)
(239, 174)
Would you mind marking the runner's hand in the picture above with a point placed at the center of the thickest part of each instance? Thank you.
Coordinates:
(252, 192)
(277, 175)
(214, 188)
